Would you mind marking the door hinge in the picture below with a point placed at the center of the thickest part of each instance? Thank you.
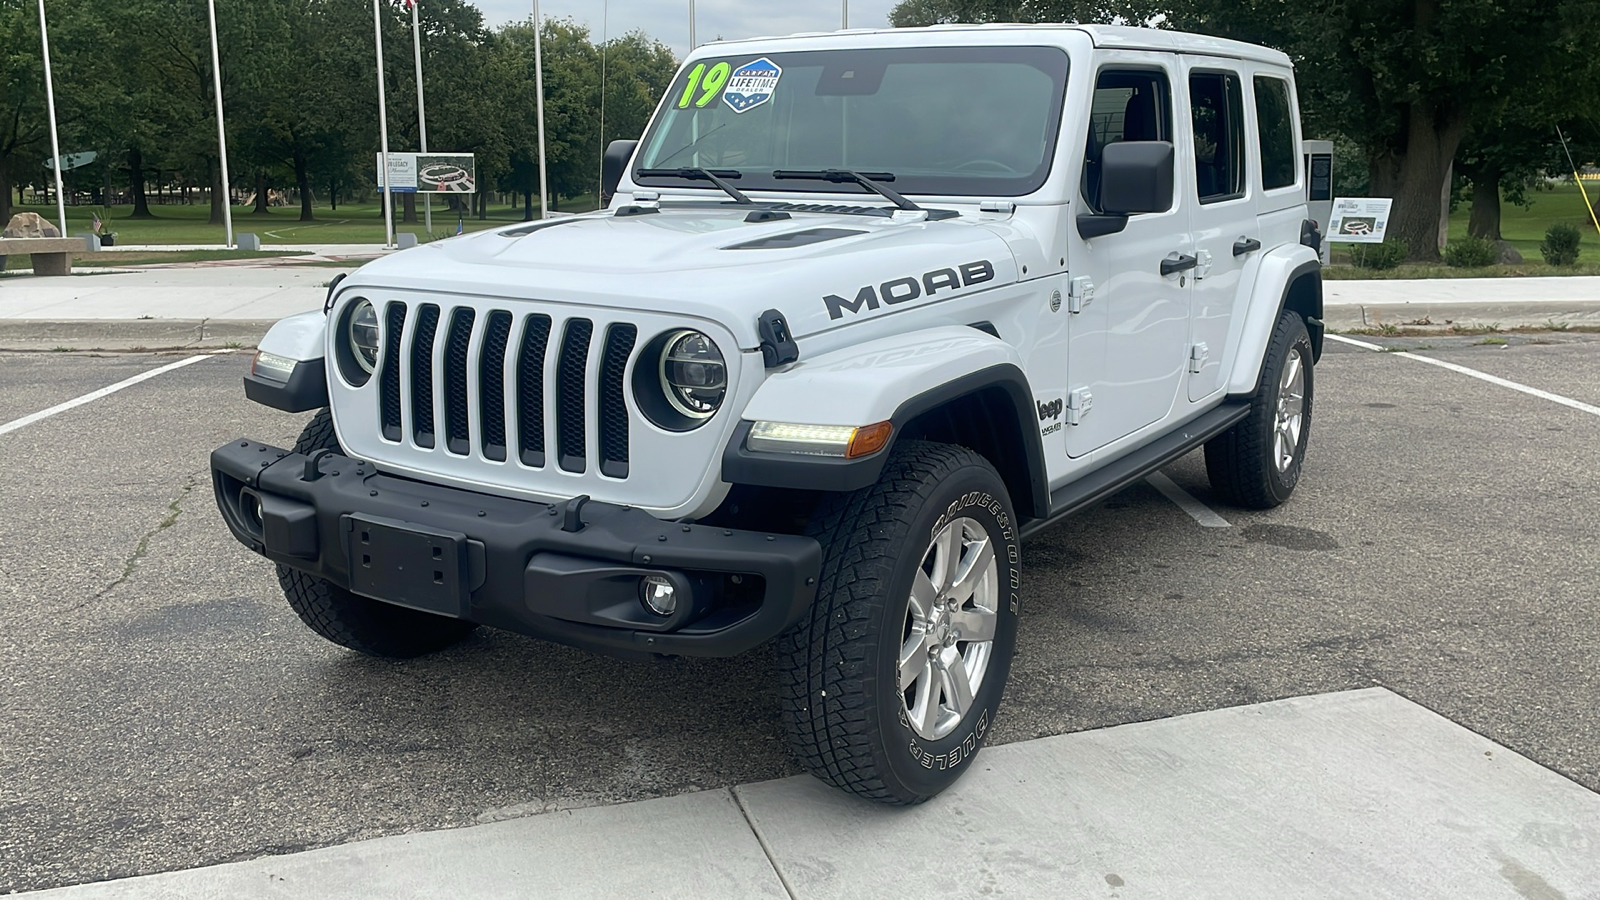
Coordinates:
(1203, 268)
(1198, 354)
(1080, 293)
(1079, 402)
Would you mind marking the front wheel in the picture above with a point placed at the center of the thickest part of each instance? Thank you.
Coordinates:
(893, 679)
(1256, 463)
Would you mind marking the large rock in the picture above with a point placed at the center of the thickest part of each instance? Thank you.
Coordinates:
(30, 225)
(1507, 254)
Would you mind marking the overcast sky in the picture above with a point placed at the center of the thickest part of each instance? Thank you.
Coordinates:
(668, 20)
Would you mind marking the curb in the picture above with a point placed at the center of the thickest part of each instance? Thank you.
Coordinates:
(131, 335)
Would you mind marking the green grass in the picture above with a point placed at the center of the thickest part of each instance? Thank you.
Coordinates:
(117, 258)
(354, 223)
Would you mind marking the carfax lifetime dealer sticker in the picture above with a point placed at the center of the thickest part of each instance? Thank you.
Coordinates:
(751, 85)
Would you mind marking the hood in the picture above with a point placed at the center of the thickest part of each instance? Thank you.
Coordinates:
(821, 269)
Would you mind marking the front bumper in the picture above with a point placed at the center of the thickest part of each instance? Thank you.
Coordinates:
(568, 572)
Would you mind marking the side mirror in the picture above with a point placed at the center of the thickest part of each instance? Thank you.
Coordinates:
(1135, 177)
(615, 162)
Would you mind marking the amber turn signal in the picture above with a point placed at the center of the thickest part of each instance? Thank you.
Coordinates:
(869, 439)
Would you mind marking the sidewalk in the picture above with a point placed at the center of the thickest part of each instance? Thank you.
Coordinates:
(1357, 794)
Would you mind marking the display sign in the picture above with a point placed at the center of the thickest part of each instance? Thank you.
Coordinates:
(429, 173)
(1359, 220)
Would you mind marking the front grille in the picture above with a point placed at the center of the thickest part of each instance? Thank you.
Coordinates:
(478, 414)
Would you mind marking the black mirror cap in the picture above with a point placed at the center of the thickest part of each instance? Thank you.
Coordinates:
(1136, 177)
(612, 165)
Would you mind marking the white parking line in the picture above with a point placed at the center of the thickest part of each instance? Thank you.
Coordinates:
(90, 397)
(1186, 501)
(1474, 373)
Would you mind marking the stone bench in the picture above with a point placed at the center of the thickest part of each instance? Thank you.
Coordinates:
(50, 256)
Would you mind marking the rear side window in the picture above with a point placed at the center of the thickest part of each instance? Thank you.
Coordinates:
(1216, 102)
(1274, 120)
(1133, 105)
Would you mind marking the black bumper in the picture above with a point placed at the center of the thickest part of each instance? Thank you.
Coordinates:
(568, 573)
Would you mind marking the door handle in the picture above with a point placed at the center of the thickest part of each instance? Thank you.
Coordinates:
(1183, 263)
(1246, 245)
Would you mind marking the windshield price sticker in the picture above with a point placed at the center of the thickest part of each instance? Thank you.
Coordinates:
(714, 80)
(751, 85)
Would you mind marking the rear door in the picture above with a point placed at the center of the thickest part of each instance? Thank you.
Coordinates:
(1222, 213)
(1131, 330)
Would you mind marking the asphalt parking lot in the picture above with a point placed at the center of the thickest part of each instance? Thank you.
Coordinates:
(162, 708)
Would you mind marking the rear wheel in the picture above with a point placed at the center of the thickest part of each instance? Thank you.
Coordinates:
(893, 679)
(351, 620)
(1256, 463)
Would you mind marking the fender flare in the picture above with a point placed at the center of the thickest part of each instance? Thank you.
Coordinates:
(302, 338)
(995, 371)
(1298, 278)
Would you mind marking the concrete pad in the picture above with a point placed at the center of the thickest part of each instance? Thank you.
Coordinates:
(690, 846)
(1356, 794)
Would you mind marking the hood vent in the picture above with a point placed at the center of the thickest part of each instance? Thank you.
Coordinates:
(794, 239)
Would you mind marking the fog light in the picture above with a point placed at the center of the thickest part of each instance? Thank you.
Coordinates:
(658, 594)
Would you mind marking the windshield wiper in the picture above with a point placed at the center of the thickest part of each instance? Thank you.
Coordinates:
(697, 174)
(868, 180)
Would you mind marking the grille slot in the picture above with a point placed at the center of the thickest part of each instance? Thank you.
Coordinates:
(422, 375)
(389, 379)
(530, 390)
(457, 413)
(571, 406)
(492, 385)
(613, 403)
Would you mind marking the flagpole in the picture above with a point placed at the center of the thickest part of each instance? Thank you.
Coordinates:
(222, 136)
(605, 36)
(55, 144)
(383, 134)
(538, 87)
(422, 115)
(692, 44)
(845, 14)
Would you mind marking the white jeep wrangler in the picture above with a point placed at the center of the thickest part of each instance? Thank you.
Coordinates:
(866, 309)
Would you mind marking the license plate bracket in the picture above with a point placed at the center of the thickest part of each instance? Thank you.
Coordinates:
(407, 564)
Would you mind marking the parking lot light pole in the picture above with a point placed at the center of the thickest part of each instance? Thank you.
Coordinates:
(55, 144)
(422, 114)
(222, 135)
(383, 133)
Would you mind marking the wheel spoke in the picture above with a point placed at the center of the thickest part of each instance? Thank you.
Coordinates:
(925, 713)
(976, 624)
(913, 658)
(1291, 370)
(959, 689)
(980, 556)
(948, 558)
(923, 597)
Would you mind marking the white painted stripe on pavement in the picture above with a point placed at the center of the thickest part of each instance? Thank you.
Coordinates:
(1186, 501)
(92, 396)
(1474, 373)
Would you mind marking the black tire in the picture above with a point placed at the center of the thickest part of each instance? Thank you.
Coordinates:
(351, 620)
(842, 699)
(1241, 463)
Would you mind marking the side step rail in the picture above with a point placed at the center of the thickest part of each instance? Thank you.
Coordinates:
(1115, 476)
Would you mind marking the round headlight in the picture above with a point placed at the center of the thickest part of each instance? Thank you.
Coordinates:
(693, 375)
(363, 335)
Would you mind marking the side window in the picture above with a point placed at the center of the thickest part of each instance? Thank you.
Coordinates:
(1274, 119)
(1128, 105)
(1216, 100)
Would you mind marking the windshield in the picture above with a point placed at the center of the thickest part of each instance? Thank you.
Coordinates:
(958, 121)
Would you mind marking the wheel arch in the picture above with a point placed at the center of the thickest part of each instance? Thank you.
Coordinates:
(1293, 278)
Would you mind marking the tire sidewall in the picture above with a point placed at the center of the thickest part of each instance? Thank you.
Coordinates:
(1291, 335)
(925, 767)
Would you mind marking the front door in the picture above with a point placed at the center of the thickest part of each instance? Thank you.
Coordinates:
(1129, 339)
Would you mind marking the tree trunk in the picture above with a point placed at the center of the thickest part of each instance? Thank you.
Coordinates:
(219, 192)
(1485, 219)
(527, 206)
(5, 196)
(333, 196)
(410, 206)
(302, 180)
(141, 203)
(261, 195)
(1432, 139)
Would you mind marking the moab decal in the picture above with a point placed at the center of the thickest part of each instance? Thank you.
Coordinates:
(904, 290)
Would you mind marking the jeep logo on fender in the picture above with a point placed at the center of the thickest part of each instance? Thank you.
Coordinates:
(904, 290)
(1049, 410)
